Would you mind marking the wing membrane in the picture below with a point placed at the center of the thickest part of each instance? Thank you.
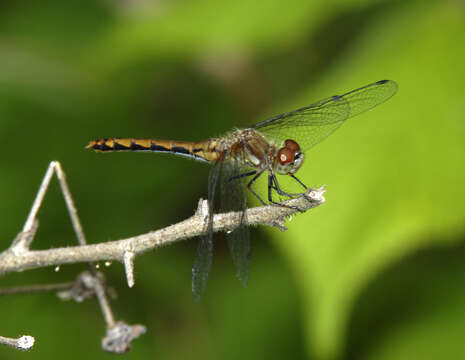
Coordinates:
(204, 256)
(233, 198)
(312, 124)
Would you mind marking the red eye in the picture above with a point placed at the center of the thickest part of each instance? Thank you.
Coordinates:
(285, 156)
(292, 145)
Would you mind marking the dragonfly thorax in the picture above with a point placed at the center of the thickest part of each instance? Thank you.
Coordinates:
(289, 158)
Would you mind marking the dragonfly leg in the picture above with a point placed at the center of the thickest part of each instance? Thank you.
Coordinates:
(242, 175)
(281, 192)
(271, 181)
(300, 182)
(249, 186)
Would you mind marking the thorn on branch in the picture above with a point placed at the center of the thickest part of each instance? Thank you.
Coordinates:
(279, 223)
(202, 209)
(128, 260)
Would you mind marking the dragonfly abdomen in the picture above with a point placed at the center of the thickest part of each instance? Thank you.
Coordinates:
(196, 150)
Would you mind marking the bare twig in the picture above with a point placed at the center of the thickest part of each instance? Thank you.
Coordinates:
(70, 204)
(93, 279)
(87, 284)
(19, 257)
(40, 196)
(24, 342)
(191, 227)
(29, 289)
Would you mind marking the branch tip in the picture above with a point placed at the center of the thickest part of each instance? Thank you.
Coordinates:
(316, 194)
(25, 342)
(119, 337)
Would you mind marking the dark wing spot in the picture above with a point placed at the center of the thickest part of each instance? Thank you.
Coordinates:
(381, 82)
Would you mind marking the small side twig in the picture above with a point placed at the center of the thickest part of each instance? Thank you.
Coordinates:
(93, 279)
(30, 289)
(87, 284)
(24, 342)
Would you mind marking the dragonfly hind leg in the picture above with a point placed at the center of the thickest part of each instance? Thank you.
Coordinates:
(240, 176)
(250, 183)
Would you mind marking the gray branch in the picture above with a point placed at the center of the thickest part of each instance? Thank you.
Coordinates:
(191, 227)
(19, 257)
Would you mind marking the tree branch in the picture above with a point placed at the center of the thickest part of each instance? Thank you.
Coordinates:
(191, 227)
(119, 335)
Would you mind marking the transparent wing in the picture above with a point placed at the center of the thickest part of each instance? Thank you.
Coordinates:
(204, 256)
(233, 198)
(312, 124)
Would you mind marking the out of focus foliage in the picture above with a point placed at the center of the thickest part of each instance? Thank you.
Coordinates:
(378, 272)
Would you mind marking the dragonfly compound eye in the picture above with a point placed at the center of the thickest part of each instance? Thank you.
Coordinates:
(292, 145)
(285, 156)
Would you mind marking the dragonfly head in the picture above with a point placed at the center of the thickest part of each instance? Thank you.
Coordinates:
(289, 158)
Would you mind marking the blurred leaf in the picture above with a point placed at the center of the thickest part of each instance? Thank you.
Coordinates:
(394, 174)
(206, 27)
(414, 310)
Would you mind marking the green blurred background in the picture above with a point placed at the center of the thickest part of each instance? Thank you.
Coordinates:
(378, 272)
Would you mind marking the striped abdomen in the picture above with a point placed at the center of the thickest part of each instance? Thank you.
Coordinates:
(205, 150)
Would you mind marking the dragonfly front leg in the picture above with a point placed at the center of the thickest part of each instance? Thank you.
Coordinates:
(273, 184)
(281, 192)
(300, 182)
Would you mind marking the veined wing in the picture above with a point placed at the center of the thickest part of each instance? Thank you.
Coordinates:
(234, 198)
(204, 256)
(312, 124)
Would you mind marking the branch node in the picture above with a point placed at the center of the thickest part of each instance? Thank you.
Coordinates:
(83, 288)
(119, 337)
(22, 241)
(128, 260)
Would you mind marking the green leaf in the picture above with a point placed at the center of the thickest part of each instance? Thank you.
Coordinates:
(395, 175)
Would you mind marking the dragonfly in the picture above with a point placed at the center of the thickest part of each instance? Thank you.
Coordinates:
(276, 146)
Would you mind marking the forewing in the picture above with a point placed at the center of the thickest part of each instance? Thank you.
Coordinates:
(204, 256)
(233, 198)
(312, 124)
(369, 96)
